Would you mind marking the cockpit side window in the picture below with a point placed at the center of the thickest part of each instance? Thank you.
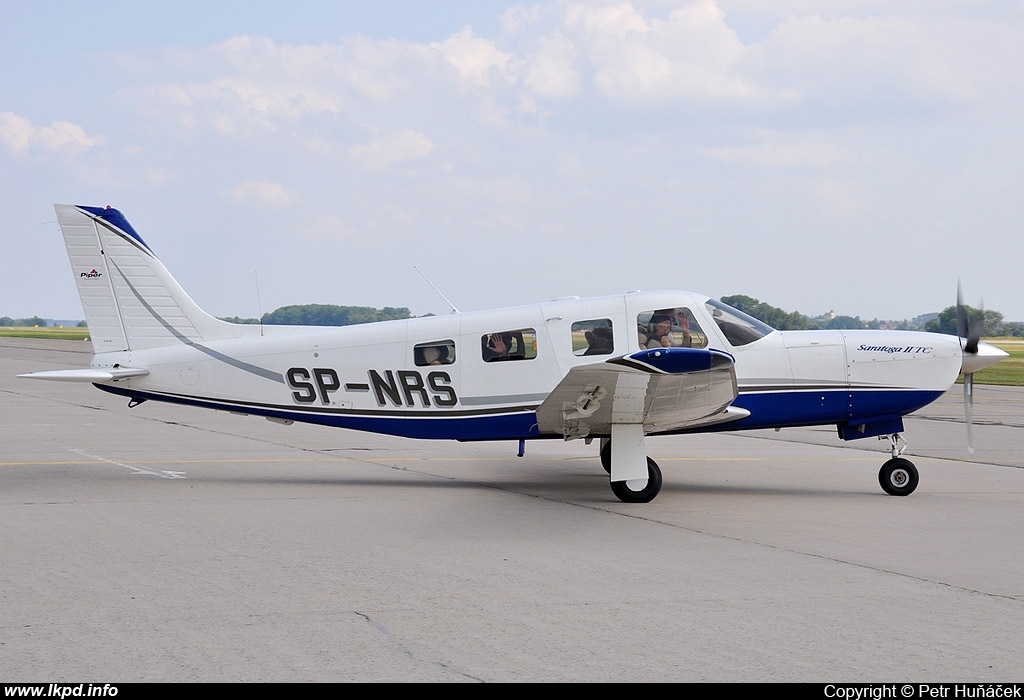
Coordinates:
(439, 352)
(669, 328)
(592, 337)
(520, 344)
(737, 327)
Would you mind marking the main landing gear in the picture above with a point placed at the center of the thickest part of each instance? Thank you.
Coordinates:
(898, 476)
(645, 493)
(632, 490)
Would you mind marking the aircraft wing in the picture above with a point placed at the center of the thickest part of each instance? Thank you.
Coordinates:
(665, 389)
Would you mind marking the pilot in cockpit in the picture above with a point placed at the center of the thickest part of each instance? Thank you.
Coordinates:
(659, 332)
(668, 328)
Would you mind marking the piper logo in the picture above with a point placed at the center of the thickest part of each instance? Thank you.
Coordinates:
(92, 275)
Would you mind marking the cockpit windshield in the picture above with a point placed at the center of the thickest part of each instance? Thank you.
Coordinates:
(739, 328)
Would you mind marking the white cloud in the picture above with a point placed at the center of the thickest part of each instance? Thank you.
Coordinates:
(234, 105)
(324, 228)
(384, 152)
(20, 136)
(849, 59)
(266, 194)
(550, 72)
(15, 132)
(840, 198)
(780, 150)
(250, 86)
(612, 20)
(554, 56)
(477, 61)
(691, 53)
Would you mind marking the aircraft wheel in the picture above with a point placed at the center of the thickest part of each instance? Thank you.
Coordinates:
(606, 457)
(898, 477)
(647, 493)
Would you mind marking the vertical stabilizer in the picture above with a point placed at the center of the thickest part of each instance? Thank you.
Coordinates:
(131, 301)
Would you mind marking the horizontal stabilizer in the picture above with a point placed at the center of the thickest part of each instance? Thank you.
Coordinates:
(87, 375)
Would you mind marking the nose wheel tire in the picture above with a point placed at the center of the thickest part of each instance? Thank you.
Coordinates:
(624, 493)
(898, 477)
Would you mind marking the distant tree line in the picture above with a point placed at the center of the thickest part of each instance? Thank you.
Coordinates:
(238, 319)
(944, 322)
(993, 323)
(30, 322)
(794, 320)
(326, 315)
(772, 315)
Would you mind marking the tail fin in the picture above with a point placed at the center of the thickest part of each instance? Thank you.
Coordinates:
(131, 301)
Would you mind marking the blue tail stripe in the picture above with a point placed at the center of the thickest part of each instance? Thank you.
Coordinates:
(115, 218)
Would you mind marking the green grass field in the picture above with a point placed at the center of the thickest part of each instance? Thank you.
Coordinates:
(50, 332)
(1009, 372)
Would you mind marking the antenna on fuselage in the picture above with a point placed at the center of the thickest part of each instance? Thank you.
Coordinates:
(439, 293)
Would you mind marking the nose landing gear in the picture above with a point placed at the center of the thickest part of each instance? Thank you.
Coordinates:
(898, 476)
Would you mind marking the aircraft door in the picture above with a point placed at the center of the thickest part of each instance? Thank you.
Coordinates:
(817, 360)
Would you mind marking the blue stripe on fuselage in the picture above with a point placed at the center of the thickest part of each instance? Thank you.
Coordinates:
(513, 425)
(769, 409)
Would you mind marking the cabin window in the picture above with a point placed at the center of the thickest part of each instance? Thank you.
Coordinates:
(519, 344)
(592, 337)
(439, 352)
(669, 328)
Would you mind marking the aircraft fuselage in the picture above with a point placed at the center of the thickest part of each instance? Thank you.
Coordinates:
(386, 377)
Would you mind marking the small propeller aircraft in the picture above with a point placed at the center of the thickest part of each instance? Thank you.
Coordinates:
(615, 368)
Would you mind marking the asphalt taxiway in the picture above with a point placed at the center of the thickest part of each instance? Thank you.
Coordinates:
(164, 543)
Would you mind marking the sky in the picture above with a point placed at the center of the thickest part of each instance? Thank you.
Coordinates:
(855, 156)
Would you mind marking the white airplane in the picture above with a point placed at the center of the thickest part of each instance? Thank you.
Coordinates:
(616, 368)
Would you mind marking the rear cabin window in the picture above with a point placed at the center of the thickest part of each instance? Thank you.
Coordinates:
(669, 328)
(592, 337)
(439, 352)
(519, 344)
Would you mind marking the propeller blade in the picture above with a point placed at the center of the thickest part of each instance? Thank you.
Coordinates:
(961, 312)
(969, 325)
(969, 329)
(969, 410)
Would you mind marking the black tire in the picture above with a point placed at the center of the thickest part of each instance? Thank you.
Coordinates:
(898, 477)
(606, 457)
(644, 495)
